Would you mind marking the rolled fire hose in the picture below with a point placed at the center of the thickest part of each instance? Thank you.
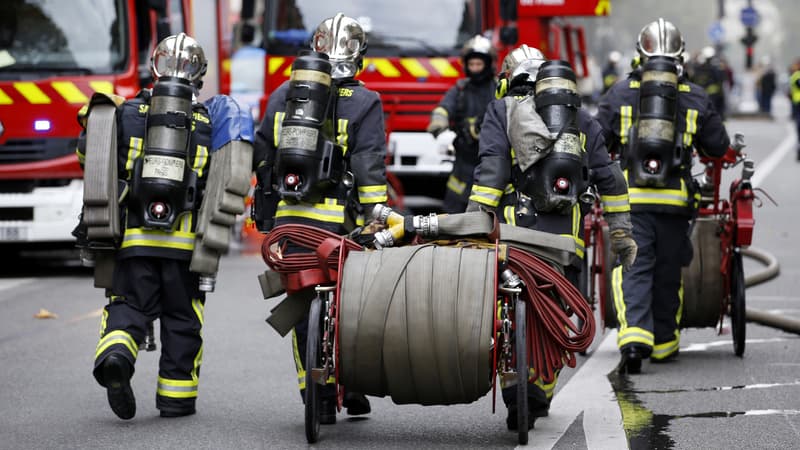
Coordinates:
(415, 323)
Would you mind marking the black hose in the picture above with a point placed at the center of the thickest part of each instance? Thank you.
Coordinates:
(771, 271)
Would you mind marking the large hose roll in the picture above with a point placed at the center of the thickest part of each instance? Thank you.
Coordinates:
(702, 280)
(416, 323)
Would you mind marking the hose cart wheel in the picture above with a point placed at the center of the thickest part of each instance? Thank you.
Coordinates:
(737, 303)
(521, 354)
(312, 400)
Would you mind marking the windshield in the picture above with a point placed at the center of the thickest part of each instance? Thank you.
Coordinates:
(394, 28)
(88, 36)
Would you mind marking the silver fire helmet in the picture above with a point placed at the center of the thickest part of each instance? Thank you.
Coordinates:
(179, 56)
(518, 55)
(478, 46)
(660, 38)
(343, 39)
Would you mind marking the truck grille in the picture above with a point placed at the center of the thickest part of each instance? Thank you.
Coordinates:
(32, 150)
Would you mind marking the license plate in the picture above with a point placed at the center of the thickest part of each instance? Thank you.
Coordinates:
(13, 234)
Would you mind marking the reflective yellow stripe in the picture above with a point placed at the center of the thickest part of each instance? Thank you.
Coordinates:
(625, 120)
(510, 215)
(486, 195)
(134, 151)
(199, 309)
(117, 337)
(383, 66)
(274, 63)
(341, 134)
(619, 298)
(178, 240)
(634, 84)
(670, 197)
(69, 91)
(104, 87)
(456, 185)
(373, 194)
(616, 203)
(298, 362)
(666, 349)
(439, 111)
(691, 127)
(104, 319)
(177, 388)
(634, 335)
(5, 99)
(444, 67)
(317, 211)
(200, 159)
(276, 127)
(414, 67)
(684, 88)
(32, 93)
(580, 248)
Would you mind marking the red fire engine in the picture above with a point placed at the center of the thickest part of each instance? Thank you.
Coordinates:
(53, 56)
(412, 59)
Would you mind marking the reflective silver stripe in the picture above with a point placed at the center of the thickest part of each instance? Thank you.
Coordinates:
(321, 212)
(615, 203)
(456, 185)
(140, 237)
(671, 197)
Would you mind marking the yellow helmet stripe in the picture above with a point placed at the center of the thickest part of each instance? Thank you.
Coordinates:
(103, 87)
(69, 91)
(444, 67)
(5, 99)
(32, 93)
(414, 67)
(384, 67)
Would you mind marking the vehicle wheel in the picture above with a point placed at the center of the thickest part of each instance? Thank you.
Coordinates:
(521, 350)
(312, 399)
(737, 304)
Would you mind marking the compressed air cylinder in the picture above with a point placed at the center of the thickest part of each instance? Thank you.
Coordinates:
(555, 181)
(306, 159)
(163, 185)
(655, 152)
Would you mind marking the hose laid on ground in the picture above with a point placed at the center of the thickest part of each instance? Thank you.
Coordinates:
(770, 272)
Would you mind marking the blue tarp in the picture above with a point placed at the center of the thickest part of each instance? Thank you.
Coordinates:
(229, 121)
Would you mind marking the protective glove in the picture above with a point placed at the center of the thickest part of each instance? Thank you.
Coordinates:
(622, 244)
(624, 247)
(438, 124)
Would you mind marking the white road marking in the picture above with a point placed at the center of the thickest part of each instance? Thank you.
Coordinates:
(764, 168)
(11, 283)
(590, 392)
(703, 346)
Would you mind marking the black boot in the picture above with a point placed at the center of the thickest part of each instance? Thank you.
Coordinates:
(511, 419)
(117, 378)
(631, 362)
(356, 404)
(327, 411)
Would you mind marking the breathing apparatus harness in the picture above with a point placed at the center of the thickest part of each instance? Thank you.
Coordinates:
(163, 184)
(555, 181)
(308, 162)
(653, 152)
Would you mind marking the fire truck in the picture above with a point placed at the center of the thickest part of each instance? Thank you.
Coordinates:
(413, 58)
(53, 56)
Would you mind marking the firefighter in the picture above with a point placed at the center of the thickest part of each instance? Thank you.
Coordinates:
(654, 119)
(518, 172)
(794, 96)
(164, 152)
(355, 116)
(709, 74)
(611, 70)
(462, 110)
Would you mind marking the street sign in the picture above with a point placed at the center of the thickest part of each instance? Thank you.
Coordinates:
(716, 33)
(749, 16)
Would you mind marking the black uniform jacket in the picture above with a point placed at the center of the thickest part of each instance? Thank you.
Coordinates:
(359, 130)
(493, 176)
(698, 126)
